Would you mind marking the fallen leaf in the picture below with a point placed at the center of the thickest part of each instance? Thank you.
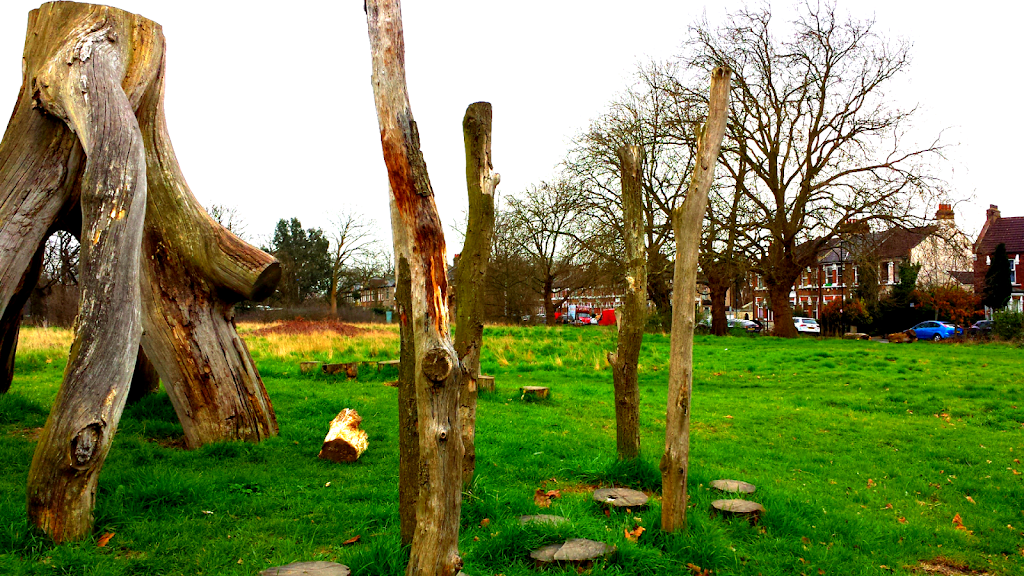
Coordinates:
(485, 522)
(239, 560)
(971, 500)
(871, 483)
(351, 540)
(958, 523)
(729, 417)
(207, 511)
(821, 572)
(633, 535)
(888, 506)
(328, 485)
(902, 520)
(697, 570)
(476, 538)
(541, 499)
(104, 539)
(553, 494)
(805, 539)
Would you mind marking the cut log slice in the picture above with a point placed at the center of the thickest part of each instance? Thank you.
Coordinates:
(307, 367)
(620, 497)
(542, 519)
(575, 550)
(485, 383)
(319, 568)
(733, 486)
(535, 392)
(345, 442)
(350, 369)
(743, 508)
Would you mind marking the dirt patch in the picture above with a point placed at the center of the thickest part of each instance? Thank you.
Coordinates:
(27, 433)
(300, 326)
(175, 442)
(945, 567)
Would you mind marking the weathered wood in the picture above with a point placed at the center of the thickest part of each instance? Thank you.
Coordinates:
(471, 273)
(318, 568)
(686, 221)
(83, 70)
(737, 486)
(620, 497)
(421, 262)
(902, 337)
(145, 378)
(10, 320)
(535, 392)
(751, 511)
(384, 363)
(307, 367)
(856, 336)
(542, 519)
(575, 550)
(485, 383)
(350, 369)
(345, 442)
(633, 314)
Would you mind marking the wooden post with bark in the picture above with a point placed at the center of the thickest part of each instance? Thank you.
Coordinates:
(420, 256)
(634, 308)
(686, 221)
(87, 150)
(471, 273)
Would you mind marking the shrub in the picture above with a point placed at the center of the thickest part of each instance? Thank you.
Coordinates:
(1008, 325)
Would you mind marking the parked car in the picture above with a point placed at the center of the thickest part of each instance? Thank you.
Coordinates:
(936, 330)
(806, 325)
(584, 318)
(981, 328)
(747, 325)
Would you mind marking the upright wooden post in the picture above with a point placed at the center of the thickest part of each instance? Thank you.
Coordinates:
(420, 250)
(481, 181)
(686, 221)
(634, 308)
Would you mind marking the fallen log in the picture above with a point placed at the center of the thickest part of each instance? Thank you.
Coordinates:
(345, 442)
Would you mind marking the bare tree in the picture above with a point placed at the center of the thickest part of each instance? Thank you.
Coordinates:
(812, 124)
(228, 217)
(351, 235)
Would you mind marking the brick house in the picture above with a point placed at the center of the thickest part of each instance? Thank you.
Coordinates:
(998, 230)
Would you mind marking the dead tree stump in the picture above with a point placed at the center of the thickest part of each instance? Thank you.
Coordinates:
(87, 141)
(485, 383)
(534, 392)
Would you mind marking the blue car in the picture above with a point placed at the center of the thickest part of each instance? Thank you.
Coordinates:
(936, 330)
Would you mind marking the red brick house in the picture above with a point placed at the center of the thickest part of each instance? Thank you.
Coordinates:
(998, 230)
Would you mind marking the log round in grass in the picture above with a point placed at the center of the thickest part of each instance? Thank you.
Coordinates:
(620, 497)
(736, 486)
(542, 519)
(576, 550)
(534, 392)
(750, 511)
(319, 568)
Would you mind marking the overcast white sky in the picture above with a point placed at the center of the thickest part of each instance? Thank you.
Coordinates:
(270, 108)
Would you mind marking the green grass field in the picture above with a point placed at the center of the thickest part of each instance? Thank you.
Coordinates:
(863, 454)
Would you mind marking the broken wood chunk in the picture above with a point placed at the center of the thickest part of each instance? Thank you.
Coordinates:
(856, 336)
(751, 511)
(534, 392)
(307, 367)
(350, 369)
(733, 486)
(485, 383)
(620, 497)
(320, 568)
(345, 442)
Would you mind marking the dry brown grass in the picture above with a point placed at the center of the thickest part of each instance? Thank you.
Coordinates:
(31, 338)
(373, 341)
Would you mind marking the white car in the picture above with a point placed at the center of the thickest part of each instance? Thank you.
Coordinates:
(806, 325)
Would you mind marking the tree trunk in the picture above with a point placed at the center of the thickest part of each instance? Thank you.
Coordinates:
(686, 221)
(782, 310)
(80, 70)
(92, 92)
(10, 322)
(549, 301)
(408, 421)
(634, 308)
(419, 249)
(145, 379)
(472, 270)
(719, 287)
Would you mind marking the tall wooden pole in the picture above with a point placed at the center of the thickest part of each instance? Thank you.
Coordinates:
(634, 308)
(481, 180)
(686, 221)
(420, 250)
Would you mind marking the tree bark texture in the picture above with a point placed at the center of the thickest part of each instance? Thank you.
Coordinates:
(634, 308)
(88, 135)
(408, 422)
(145, 379)
(419, 248)
(719, 285)
(686, 221)
(471, 274)
(10, 322)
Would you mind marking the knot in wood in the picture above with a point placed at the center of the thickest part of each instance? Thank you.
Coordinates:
(437, 364)
(85, 444)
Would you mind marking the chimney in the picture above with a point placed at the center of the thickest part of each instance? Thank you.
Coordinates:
(945, 212)
(992, 214)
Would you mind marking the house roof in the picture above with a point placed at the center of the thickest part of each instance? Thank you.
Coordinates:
(889, 244)
(964, 277)
(1009, 231)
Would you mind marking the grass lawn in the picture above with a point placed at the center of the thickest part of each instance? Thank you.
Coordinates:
(870, 458)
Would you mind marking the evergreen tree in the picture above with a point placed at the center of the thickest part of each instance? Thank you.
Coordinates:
(996, 292)
(305, 261)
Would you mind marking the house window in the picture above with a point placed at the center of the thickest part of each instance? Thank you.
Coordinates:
(1013, 271)
(856, 276)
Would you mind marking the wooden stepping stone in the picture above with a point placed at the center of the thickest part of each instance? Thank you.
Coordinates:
(575, 550)
(306, 367)
(743, 508)
(536, 392)
(737, 486)
(350, 369)
(383, 363)
(319, 568)
(485, 383)
(620, 497)
(542, 519)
